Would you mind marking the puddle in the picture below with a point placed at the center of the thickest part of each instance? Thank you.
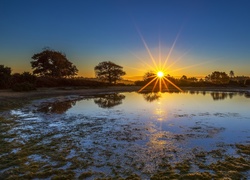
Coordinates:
(128, 135)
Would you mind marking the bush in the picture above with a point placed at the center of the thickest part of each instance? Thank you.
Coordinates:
(5, 75)
(25, 77)
(64, 82)
(25, 86)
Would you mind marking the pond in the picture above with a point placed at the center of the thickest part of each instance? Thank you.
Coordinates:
(185, 135)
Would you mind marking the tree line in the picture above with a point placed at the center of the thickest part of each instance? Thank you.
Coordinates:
(52, 69)
(216, 78)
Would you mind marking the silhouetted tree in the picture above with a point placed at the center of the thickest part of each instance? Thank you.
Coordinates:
(192, 79)
(184, 77)
(208, 78)
(231, 73)
(183, 81)
(109, 71)
(5, 75)
(219, 77)
(148, 76)
(52, 63)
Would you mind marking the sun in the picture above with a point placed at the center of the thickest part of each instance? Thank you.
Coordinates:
(157, 75)
(160, 74)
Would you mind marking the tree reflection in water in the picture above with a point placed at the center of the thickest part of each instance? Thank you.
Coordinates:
(58, 107)
(222, 95)
(247, 94)
(152, 96)
(219, 95)
(109, 100)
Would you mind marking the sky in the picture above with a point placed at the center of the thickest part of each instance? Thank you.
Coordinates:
(193, 37)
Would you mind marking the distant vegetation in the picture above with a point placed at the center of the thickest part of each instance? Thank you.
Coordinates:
(52, 69)
(216, 78)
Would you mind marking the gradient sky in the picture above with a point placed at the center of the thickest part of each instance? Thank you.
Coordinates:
(212, 34)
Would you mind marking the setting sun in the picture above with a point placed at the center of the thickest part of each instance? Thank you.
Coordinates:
(160, 74)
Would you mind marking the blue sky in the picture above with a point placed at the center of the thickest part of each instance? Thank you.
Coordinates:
(212, 35)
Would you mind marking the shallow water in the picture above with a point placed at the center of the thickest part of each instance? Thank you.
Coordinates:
(224, 116)
(127, 133)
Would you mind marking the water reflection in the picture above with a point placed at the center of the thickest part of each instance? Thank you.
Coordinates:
(150, 97)
(247, 94)
(222, 95)
(109, 100)
(219, 95)
(58, 107)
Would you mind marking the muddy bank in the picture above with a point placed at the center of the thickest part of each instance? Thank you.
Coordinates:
(47, 92)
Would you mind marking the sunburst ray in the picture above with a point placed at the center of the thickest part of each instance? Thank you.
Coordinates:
(147, 48)
(147, 84)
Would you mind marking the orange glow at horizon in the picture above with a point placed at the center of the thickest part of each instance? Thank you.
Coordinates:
(159, 76)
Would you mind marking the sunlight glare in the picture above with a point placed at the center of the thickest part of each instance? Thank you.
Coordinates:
(160, 74)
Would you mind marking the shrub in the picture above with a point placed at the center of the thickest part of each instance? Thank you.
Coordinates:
(5, 74)
(25, 86)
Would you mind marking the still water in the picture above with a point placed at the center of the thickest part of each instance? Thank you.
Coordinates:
(132, 133)
(223, 117)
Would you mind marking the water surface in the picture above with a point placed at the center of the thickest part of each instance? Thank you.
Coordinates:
(119, 134)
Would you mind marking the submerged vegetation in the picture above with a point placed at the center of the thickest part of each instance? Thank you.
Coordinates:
(56, 155)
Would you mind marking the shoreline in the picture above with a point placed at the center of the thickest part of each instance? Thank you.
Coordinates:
(64, 91)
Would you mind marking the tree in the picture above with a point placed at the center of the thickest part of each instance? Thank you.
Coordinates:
(5, 75)
(184, 77)
(231, 73)
(109, 71)
(219, 77)
(192, 79)
(53, 64)
(148, 76)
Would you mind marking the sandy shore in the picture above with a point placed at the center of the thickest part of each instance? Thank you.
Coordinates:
(48, 92)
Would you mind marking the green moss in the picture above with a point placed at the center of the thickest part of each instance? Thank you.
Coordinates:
(231, 167)
(197, 176)
(133, 177)
(183, 167)
(169, 173)
(244, 149)
(64, 175)
(85, 175)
